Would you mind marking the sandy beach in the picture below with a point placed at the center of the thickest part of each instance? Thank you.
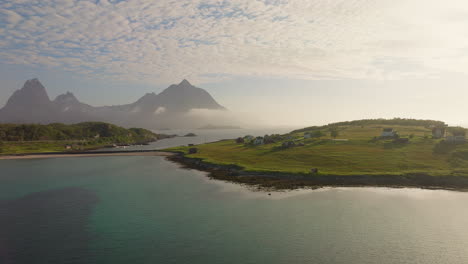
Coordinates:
(73, 155)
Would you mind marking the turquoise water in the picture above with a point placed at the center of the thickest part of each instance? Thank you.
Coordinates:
(147, 210)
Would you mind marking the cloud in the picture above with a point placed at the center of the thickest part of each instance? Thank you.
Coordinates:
(10, 17)
(223, 117)
(204, 40)
(160, 110)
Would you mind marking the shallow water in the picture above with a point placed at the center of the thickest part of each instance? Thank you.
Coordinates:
(148, 210)
(202, 136)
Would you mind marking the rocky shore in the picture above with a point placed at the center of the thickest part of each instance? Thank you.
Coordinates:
(290, 181)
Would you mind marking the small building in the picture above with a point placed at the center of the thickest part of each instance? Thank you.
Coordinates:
(68, 146)
(455, 139)
(388, 132)
(192, 150)
(438, 132)
(401, 140)
(307, 135)
(258, 141)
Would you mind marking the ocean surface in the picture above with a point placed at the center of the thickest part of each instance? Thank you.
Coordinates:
(148, 210)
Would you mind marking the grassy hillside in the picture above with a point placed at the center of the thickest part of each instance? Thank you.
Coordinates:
(28, 138)
(356, 151)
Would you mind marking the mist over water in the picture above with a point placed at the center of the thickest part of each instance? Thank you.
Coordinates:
(148, 210)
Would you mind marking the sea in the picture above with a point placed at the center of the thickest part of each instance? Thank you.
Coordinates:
(149, 210)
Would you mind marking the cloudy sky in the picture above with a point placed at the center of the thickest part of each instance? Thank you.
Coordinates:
(296, 62)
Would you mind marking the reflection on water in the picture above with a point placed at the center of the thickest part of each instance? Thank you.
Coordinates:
(147, 210)
(46, 227)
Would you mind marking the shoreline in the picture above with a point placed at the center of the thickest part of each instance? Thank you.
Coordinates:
(280, 181)
(275, 181)
(84, 154)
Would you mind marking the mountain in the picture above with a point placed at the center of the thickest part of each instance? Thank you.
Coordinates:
(170, 108)
(28, 104)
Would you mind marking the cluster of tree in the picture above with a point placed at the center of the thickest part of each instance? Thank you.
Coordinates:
(267, 139)
(334, 132)
(97, 131)
(367, 122)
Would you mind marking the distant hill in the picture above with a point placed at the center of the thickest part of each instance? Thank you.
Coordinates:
(380, 121)
(98, 131)
(209, 127)
(57, 137)
(170, 108)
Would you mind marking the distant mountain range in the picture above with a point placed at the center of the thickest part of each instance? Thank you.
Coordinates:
(170, 108)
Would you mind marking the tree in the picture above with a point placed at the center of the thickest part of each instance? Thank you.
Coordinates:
(334, 132)
(317, 134)
(457, 131)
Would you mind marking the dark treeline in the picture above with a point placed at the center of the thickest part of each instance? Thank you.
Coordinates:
(390, 122)
(95, 131)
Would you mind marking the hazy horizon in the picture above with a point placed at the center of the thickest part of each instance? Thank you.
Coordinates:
(284, 63)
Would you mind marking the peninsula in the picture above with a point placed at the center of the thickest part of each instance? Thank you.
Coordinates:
(378, 152)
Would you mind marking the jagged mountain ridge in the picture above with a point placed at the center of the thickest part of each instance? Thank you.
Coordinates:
(31, 104)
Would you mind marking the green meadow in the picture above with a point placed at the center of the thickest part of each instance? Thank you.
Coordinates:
(355, 151)
(25, 147)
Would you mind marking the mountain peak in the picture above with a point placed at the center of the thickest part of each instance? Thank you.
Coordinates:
(185, 83)
(33, 84)
(67, 97)
(32, 81)
(32, 93)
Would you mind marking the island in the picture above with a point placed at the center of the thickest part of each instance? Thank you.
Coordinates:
(218, 127)
(57, 137)
(372, 152)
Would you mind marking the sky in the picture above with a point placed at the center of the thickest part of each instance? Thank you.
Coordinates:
(297, 62)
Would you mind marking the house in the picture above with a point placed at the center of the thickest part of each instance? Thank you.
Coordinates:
(68, 146)
(192, 150)
(307, 135)
(438, 132)
(388, 132)
(401, 140)
(455, 139)
(258, 141)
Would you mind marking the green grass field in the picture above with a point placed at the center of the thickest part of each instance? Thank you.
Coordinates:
(25, 147)
(360, 155)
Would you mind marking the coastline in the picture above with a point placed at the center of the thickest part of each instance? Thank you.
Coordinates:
(275, 181)
(84, 154)
(278, 181)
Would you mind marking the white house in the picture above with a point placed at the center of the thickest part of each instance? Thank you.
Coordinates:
(388, 132)
(258, 141)
(438, 132)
